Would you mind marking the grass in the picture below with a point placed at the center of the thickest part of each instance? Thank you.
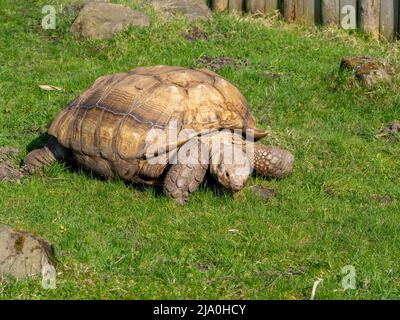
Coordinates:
(113, 241)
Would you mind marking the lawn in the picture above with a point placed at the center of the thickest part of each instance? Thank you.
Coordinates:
(115, 241)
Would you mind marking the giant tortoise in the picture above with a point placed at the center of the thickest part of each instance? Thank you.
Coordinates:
(163, 124)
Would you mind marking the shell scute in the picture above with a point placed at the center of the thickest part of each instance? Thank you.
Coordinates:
(112, 118)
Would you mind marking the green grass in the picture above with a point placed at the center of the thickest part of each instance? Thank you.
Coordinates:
(116, 241)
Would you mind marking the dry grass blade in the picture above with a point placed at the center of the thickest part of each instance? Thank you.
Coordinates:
(48, 87)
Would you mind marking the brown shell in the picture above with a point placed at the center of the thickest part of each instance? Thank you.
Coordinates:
(111, 118)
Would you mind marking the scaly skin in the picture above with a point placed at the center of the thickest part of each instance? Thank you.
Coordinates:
(268, 161)
(272, 162)
(182, 180)
(39, 158)
(185, 177)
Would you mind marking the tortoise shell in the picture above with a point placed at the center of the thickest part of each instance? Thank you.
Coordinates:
(112, 118)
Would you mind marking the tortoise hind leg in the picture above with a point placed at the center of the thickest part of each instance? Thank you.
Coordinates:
(39, 158)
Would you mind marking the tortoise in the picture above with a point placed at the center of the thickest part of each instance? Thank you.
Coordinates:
(118, 128)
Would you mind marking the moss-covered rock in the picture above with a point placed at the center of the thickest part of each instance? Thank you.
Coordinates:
(22, 254)
(368, 71)
(101, 20)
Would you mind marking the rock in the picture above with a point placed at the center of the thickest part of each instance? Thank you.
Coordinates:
(22, 254)
(100, 20)
(263, 192)
(191, 9)
(369, 71)
(9, 170)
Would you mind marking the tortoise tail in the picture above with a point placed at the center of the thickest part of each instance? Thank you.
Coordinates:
(39, 158)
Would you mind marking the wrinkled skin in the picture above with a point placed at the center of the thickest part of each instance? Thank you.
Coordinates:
(231, 177)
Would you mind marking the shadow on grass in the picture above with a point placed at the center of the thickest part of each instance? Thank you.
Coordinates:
(73, 167)
(38, 142)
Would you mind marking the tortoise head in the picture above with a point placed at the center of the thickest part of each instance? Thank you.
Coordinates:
(230, 167)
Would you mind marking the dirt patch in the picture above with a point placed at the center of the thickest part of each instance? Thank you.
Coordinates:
(383, 199)
(9, 170)
(389, 131)
(271, 75)
(218, 63)
(8, 152)
(263, 192)
(194, 34)
(203, 266)
(290, 272)
(329, 192)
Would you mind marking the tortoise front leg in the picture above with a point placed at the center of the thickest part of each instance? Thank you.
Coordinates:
(183, 179)
(271, 161)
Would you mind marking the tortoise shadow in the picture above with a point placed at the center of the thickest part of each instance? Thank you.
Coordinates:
(208, 184)
(38, 142)
(72, 166)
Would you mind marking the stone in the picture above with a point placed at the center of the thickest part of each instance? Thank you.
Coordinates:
(191, 9)
(23, 255)
(100, 20)
(369, 71)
